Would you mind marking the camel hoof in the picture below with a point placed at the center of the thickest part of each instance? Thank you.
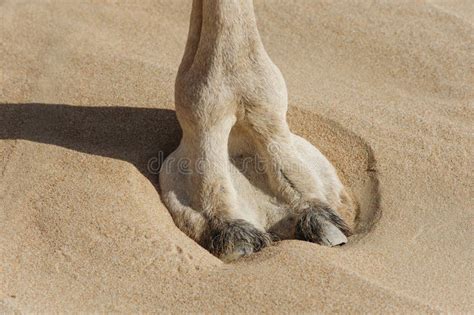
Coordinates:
(237, 238)
(331, 235)
(238, 252)
(320, 224)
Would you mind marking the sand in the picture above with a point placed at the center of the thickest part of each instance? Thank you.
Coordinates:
(385, 89)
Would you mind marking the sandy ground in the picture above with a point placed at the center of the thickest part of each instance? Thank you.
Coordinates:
(385, 89)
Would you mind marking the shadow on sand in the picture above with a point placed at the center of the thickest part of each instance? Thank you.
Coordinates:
(135, 135)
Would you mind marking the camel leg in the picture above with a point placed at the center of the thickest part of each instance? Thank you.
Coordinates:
(226, 83)
(202, 198)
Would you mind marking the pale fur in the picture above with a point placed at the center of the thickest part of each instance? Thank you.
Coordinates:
(231, 103)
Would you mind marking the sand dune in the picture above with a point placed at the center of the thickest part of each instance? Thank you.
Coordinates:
(384, 89)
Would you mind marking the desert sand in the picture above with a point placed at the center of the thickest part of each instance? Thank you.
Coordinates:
(385, 89)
